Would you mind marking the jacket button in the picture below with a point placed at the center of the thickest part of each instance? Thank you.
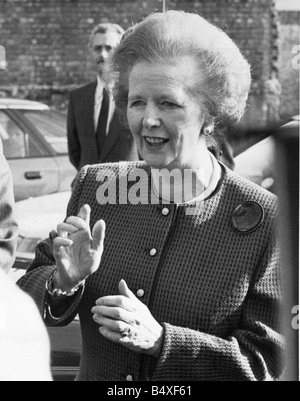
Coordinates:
(153, 252)
(129, 378)
(140, 293)
(165, 211)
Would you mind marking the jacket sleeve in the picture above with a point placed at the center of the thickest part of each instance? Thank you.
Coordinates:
(253, 351)
(43, 266)
(8, 227)
(73, 140)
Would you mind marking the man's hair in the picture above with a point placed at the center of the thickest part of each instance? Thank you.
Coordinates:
(106, 27)
(167, 38)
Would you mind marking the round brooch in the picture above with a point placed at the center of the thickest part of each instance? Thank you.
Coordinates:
(247, 217)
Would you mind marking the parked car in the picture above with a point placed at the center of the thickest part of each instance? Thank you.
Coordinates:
(35, 145)
(37, 217)
(258, 162)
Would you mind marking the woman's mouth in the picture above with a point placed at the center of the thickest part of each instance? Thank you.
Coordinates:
(155, 143)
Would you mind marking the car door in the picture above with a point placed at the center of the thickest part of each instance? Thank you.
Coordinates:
(52, 125)
(34, 170)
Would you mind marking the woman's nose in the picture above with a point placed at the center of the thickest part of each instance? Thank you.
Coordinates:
(151, 118)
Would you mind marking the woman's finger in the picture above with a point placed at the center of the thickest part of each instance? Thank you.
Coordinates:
(118, 301)
(98, 235)
(85, 214)
(65, 228)
(110, 335)
(77, 222)
(125, 291)
(118, 326)
(114, 313)
(59, 242)
(119, 338)
(59, 249)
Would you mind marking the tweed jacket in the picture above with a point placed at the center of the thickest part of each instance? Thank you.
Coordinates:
(119, 144)
(215, 290)
(8, 227)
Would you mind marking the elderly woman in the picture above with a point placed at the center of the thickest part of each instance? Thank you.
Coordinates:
(185, 285)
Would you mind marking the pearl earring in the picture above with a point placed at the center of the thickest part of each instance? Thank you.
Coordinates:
(207, 131)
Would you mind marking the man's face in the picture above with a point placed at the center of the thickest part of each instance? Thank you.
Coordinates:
(101, 46)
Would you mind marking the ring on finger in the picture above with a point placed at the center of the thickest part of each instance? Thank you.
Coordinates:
(127, 332)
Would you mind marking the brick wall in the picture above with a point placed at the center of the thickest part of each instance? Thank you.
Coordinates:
(289, 62)
(46, 40)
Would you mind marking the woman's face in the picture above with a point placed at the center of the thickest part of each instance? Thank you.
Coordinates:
(164, 117)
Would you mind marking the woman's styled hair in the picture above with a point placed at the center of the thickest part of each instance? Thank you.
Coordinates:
(168, 37)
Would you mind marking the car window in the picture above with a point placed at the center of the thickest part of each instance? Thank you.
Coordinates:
(17, 143)
(52, 125)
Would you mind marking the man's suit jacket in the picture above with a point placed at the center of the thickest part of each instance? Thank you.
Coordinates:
(119, 144)
(8, 227)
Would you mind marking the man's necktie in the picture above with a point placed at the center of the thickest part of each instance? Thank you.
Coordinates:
(102, 123)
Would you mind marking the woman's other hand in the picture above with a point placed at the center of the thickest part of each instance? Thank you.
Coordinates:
(127, 321)
(77, 251)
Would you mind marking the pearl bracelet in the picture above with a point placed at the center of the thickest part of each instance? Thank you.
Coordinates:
(56, 293)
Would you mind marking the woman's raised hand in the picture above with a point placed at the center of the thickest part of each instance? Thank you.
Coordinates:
(77, 251)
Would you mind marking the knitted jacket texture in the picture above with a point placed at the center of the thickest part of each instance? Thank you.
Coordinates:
(215, 290)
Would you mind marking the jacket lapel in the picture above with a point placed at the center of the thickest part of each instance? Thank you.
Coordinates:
(114, 132)
(88, 102)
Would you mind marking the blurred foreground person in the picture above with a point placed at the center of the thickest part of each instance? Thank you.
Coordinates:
(95, 134)
(186, 284)
(8, 227)
(24, 343)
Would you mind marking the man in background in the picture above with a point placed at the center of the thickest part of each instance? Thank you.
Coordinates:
(95, 134)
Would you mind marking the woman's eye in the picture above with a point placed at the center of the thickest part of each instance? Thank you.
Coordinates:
(169, 104)
(137, 103)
